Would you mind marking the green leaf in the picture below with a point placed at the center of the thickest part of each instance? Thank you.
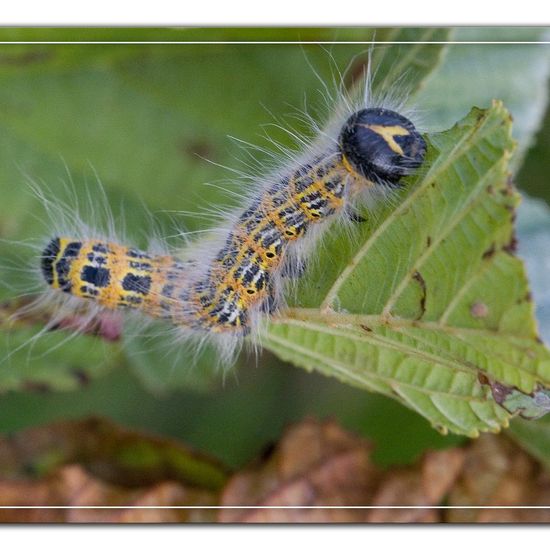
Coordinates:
(395, 61)
(475, 74)
(51, 362)
(428, 304)
(534, 437)
(408, 65)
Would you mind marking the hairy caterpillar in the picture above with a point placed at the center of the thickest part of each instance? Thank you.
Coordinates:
(222, 288)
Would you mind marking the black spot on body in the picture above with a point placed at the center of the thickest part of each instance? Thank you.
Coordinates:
(133, 300)
(134, 253)
(136, 283)
(89, 291)
(63, 265)
(142, 266)
(247, 273)
(167, 291)
(268, 234)
(303, 183)
(72, 249)
(97, 276)
(101, 248)
(335, 186)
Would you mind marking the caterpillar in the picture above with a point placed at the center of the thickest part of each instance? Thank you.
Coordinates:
(221, 289)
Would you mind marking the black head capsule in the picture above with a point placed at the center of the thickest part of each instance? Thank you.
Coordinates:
(49, 255)
(381, 145)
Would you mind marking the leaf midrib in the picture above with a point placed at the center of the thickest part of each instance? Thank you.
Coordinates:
(335, 318)
(381, 341)
(308, 352)
(451, 362)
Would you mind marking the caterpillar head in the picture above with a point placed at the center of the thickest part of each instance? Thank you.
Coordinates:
(381, 145)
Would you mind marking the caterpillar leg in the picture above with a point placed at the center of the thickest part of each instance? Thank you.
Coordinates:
(355, 217)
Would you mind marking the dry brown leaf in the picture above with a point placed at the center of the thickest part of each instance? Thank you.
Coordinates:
(498, 473)
(320, 464)
(425, 484)
(73, 486)
(315, 464)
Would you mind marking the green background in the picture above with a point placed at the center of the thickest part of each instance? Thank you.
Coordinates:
(144, 118)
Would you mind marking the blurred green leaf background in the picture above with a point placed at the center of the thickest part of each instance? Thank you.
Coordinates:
(143, 118)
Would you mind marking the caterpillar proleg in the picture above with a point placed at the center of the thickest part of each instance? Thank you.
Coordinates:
(221, 289)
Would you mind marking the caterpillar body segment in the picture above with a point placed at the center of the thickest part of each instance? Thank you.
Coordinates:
(114, 276)
(226, 289)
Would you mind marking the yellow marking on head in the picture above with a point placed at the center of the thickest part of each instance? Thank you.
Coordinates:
(63, 242)
(388, 133)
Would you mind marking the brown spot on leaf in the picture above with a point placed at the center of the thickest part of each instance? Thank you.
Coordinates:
(479, 310)
(528, 297)
(36, 387)
(26, 58)
(489, 253)
(500, 391)
(512, 246)
(418, 277)
(197, 148)
(509, 189)
(82, 377)
(483, 379)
